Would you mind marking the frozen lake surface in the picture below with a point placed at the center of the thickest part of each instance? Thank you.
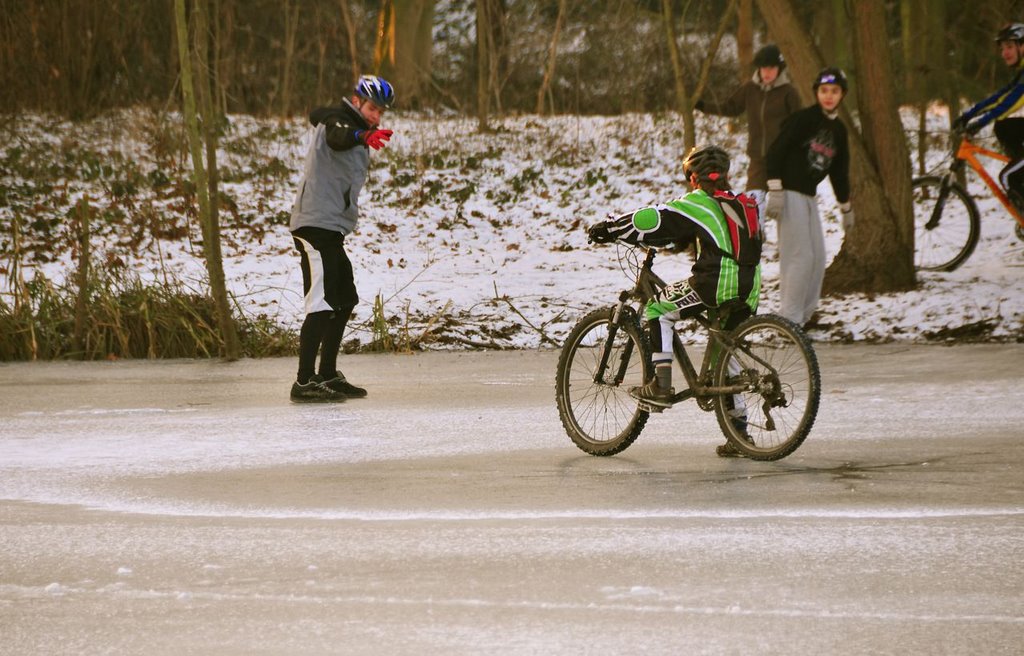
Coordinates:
(187, 506)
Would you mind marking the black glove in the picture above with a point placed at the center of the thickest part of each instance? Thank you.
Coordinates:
(960, 124)
(598, 233)
(699, 105)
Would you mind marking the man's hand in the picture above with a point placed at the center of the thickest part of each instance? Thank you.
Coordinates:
(598, 233)
(847, 210)
(775, 200)
(959, 123)
(375, 139)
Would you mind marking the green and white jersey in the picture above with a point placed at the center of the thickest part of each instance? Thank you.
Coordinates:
(721, 228)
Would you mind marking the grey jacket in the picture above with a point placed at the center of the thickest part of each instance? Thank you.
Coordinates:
(335, 171)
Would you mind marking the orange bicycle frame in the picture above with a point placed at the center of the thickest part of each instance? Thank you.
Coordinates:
(969, 152)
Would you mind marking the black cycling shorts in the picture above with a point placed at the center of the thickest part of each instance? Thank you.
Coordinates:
(327, 280)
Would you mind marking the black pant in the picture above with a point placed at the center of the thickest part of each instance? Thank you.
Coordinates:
(1010, 132)
(330, 296)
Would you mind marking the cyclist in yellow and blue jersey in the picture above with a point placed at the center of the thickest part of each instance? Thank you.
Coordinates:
(1006, 108)
(724, 232)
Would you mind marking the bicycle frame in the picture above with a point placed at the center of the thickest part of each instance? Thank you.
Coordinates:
(648, 284)
(969, 152)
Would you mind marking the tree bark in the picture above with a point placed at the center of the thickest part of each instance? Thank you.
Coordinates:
(404, 46)
(877, 256)
(744, 38)
(485, 55)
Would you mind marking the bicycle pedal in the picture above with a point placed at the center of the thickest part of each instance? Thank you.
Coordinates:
(646, 406)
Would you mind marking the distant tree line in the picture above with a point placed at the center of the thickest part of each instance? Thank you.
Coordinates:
(278, 57)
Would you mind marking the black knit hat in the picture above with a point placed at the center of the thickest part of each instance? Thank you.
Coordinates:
(769, 55)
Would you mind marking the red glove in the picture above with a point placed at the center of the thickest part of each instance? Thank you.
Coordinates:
(375, 138)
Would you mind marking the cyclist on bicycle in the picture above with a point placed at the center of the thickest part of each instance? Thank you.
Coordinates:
(723, 233)
(1006, 108)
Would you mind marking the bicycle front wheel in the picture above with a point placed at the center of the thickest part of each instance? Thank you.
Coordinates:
(774, 360)
(946, 224)
(594, 404)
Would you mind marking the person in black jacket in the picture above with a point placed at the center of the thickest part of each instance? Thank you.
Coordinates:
(811, 145)
(326, 210)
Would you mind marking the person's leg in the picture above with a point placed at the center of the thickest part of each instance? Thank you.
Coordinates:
(318, 316)
(311, 336)
(674, 302)
(796, 256)
(314, 273)
(1010, 133)
(816, 241)
(343, 297)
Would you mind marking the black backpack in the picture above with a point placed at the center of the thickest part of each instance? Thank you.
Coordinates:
(744, 224)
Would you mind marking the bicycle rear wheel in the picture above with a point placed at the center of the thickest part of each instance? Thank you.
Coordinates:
(596, 410)
(775, 360)
(946, 224)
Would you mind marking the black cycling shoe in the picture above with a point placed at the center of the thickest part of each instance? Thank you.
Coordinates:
(338, 383)
(315, 391)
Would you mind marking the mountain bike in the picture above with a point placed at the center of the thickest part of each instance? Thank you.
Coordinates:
(759, 374)
(947, 223)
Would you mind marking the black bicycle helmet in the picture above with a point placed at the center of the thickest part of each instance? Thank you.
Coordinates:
(1011, 32)
(708, 162)
(830, 75)
(769, 55)
(377, 89)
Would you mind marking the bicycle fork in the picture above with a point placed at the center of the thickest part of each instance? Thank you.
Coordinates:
(606, 352)
(940, 202)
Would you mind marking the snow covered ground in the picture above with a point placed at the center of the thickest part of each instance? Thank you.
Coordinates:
(480, 238)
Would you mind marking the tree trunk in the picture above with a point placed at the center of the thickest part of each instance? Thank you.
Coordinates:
(203, 182)
(484, 56)
(683, 104)
(350, 34)
(684, 99)
(291, 27)
(83, 215)
(744, 38)
(404, 45)
(877, 256)
(549, 70)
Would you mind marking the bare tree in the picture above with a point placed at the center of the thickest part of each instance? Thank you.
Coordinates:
(549, 70)
(207, 212)
(685, 99)
(291, 28)
(350, 34)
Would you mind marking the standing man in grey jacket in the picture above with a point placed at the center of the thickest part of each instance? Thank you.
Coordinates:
(326, 210)
(767, 98)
